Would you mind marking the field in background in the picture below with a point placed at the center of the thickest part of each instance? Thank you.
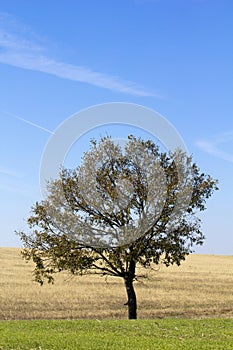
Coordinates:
(201, 287)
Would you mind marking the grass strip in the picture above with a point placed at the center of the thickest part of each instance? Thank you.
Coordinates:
(159, 334)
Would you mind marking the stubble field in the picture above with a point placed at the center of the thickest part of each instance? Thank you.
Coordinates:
(201, 287)
(185, 308)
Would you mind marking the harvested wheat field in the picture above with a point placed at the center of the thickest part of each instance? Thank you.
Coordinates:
(201, 287)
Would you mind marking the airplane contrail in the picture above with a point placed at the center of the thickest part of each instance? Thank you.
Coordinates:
(28, 122)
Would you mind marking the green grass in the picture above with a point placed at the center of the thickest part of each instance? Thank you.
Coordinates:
(169, 334)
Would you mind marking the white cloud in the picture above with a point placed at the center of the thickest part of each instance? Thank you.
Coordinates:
(28, 122)
(17, 190)
(10, 172)
(214, 146)
(17, 51)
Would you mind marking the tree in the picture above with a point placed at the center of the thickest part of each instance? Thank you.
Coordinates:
(120, 208)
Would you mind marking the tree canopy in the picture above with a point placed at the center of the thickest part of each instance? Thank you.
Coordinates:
(121, 207)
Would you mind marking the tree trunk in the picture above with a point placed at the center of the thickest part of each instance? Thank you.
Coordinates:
(132, 300)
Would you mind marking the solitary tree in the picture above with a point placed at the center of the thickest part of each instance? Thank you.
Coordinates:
(121, 207)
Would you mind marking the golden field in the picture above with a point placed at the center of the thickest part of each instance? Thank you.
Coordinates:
(201, 287)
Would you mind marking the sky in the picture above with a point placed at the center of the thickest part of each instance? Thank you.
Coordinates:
(60, 57)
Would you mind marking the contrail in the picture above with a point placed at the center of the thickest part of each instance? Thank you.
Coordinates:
(28, 122)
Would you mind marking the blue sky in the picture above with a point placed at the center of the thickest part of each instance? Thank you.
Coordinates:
(58, 57)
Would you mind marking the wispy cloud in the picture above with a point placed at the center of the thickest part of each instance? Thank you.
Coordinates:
(17, 190)
(13, 181)
(10, 172)
(19, 51)
(214, 146)
(28, 122)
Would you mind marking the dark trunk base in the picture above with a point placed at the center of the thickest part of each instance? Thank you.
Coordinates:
(132, 301)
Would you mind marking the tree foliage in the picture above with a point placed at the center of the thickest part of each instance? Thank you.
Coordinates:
(120, 208)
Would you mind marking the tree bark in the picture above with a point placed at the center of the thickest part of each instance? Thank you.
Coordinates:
(132, 300)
